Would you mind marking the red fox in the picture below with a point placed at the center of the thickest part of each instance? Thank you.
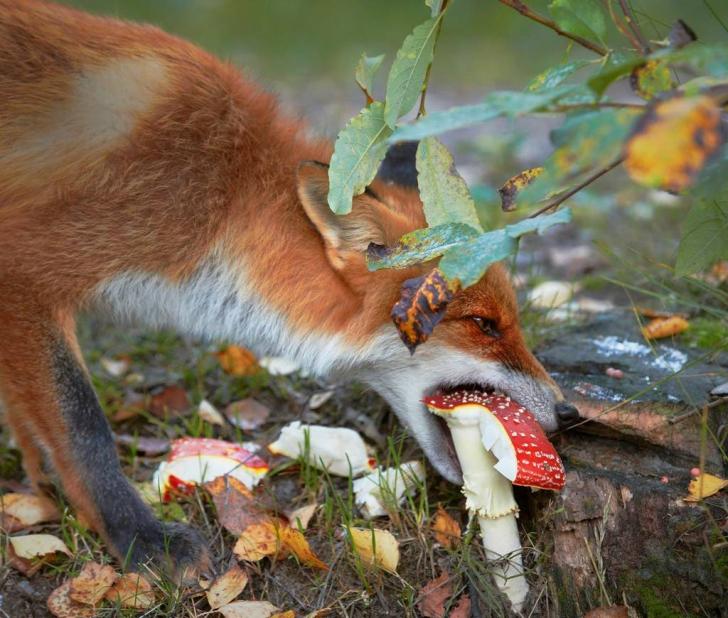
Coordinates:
(141, 176)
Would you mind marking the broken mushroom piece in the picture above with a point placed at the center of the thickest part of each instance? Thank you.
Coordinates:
(498, 444)
(384, 489)
(338, 450)
(193, 461)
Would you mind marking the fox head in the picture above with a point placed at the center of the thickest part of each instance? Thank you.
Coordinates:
(478, 343)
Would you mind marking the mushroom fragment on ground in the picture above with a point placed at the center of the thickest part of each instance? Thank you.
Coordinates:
(338, 450)
(388, 487)
(499, 443)
(193, 461)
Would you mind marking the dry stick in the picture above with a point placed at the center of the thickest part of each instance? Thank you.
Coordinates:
(713, 404)
(642, 43)
(626, 32)
(421, 110)
(565, 196)
(545, 21)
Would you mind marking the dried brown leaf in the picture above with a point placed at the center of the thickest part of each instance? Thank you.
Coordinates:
(238, 361)
(665, 327)
(434, 595)
(92, 583)
(294, 541)
(249, 609)
(61, 605)
(613, 611)
(509, 190)
(258, 541)
(445, 529)
(236, 507)
(131, 590)
(227, 587)
(170, 402)
(18, 511)
(421, 306)
(376, 547)
(248, 414)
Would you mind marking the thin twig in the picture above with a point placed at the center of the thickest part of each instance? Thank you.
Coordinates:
(526, 11)
(642, 44)
(421, 110)
(626, 32)
(555, 203)
(713, 404)
(597, 105)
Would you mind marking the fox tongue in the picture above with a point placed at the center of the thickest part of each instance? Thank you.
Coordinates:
(525, 455)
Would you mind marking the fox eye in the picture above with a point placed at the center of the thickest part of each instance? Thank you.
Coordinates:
(487, 327)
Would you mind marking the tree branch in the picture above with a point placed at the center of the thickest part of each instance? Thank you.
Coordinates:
(526, 11)
(557, 201)
(642, 44)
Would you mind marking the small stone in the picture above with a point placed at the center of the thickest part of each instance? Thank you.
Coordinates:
(720, 391)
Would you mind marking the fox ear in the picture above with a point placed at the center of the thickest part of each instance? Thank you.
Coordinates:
(343, 235)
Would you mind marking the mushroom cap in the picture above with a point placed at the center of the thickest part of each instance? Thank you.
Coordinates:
(508, 430)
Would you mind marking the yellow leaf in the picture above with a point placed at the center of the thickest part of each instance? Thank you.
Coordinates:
(294, 541)
(665, 327)
(238, 361)
(289, 614)
(257, 541)
(131, 590)
(227, 587)
(445, 529)
(703, 486)
(92, 583)
(249, 609)
(37, 546)
(376, 547)
(509, 191)
(672, 142)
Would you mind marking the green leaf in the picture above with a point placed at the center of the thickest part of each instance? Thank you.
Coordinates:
(435, 6)
(366, 69)
(554, 76)
(407, 74)
(444, 194)
(584, 18)
(585, 142)
(538, 224)
(358, 151)
(468, 261)
(617, 65)
(419, 246)
(651, 79)
(505, 103)
(711, 59)
(705, 237)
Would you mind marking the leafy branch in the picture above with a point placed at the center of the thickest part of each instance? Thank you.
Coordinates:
(526, 11)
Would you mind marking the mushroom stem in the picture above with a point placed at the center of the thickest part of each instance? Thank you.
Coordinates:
(489, 496)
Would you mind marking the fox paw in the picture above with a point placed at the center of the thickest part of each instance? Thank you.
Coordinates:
(178, 550)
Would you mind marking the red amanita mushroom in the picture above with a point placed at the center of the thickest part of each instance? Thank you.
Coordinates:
(486, 428)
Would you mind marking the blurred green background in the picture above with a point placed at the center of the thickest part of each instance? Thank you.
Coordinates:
(294, 42)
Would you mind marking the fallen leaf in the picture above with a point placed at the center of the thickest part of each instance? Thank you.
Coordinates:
(289, 614)
(421, 306)
(236, 508)
(31, 546)
(238, 361)
(61, 605)
(296, 543)
(376, 547)
(673, 140)
(171, 401)
(114, 367)
(248, 609)
(131, 590)
(665, 327)
(613, 611)
(258, 541)
(279, 366)
(462, 609)
(513, 185)
(208, 413)
(301, 516)
(226, 587)
(143, 444)
(433, 596)
(703, 486)
(92, 583)
(18, 511)
(445, 529)
(247, 414)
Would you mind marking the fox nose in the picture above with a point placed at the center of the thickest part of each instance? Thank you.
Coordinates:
(566, 414)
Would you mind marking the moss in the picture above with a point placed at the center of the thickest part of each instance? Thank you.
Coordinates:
(707, 334)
